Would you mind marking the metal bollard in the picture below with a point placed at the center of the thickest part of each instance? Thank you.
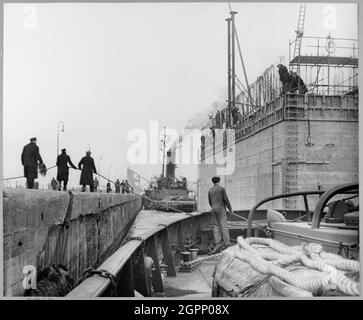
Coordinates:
(194, 253)
(186, 256)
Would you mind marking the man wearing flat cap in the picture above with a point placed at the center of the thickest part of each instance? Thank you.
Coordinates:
(87, 165)
(63, 170)
(219, 201)
(30, 158)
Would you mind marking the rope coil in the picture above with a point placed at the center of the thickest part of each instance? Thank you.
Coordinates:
(254, 251)
(202, 259)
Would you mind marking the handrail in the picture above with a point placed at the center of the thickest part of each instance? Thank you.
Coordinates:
(326, 197)
(284, 195)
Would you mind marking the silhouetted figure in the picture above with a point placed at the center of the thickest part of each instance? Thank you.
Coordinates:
(95, 184)
(30, 157)
(87, 165)
(123, 189)
(297, 84)
(285, 78)
(127, 187)
(291, 81)
(54, 184)
(63, 170)
(236, 115)
(117, 186)
(218, 120)
(108, 187)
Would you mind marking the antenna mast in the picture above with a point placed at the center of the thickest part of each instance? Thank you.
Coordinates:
(163, 141)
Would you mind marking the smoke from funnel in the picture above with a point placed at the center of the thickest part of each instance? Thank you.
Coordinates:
(199, 119)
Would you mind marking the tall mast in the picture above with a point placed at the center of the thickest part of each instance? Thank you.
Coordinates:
(163, 140)
(231, 68)
(229, 64)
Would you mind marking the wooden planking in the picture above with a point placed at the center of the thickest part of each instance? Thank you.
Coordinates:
(149, 222)
(167, 253)
(180, 231)
(125, 280)
(140, 274)
(156, 274)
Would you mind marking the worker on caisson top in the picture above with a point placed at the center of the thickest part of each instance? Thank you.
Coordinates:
(219, 201)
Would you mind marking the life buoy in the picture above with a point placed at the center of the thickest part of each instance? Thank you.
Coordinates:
(330, 46)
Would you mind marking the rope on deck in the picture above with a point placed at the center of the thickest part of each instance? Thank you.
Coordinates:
(202, 259)
(308, 255)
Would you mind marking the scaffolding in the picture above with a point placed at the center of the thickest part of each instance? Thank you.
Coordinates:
(325, 65)
(328, 65)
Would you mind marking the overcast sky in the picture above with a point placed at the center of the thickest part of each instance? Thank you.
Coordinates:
(105, 69)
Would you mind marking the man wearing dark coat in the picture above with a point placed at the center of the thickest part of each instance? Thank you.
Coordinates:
(285, 78)
(218, 200)
(108, 187)
(87, 165)
(54, 183)
(117, 186)
(63, 170)
(30, 158)
(95, 184)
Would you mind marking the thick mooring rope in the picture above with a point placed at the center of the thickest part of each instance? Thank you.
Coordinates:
(202, 259)
(309, 256)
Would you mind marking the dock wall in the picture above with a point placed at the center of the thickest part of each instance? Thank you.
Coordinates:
(78, 230)
(293, 144)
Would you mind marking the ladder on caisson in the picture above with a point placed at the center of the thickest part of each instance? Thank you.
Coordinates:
(292, 140)
(299, 35)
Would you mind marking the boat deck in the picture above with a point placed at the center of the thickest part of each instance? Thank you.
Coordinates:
(188, 285)
(149, 222)
(161, 237)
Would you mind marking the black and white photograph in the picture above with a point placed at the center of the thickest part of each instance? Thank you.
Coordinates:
(180, 151)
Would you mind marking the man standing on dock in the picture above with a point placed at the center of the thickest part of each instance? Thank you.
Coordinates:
(95, 185)
(218, 200)
(117, 186)
(29, 159)
(53, 183)
(87, 165)
(63, 170)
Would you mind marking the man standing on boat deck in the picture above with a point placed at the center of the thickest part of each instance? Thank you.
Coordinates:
(87, 165)
(218, 200)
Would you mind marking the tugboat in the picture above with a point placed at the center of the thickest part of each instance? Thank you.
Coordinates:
(169, 192)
